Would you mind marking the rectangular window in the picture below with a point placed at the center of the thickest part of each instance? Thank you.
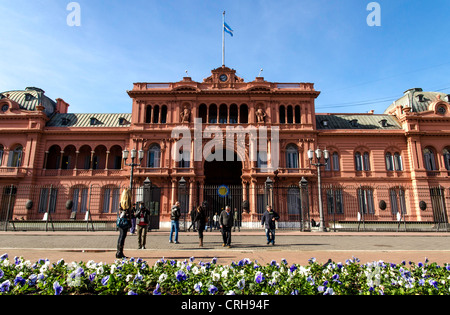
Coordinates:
(336, 166)
(111, 197)
(398, 163)
(106, 200)
(262, 160)
(185, 158)
(366, 162)
(365, 201)
(358, 162)
(84, 199)
(115, 200)
(398, 201)
(47, 200)
(335, 201)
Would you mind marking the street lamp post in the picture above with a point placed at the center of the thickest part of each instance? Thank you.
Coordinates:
(326, 155)
(125, 154)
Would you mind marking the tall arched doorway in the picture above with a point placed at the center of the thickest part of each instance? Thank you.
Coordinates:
(224, 172)
(223, 186)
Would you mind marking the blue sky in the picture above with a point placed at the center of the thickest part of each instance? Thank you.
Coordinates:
(328, 42)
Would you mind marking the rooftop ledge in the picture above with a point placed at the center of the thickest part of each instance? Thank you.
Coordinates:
(188, 85)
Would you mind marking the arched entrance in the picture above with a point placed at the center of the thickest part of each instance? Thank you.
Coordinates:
(224, 172)
(223, 185)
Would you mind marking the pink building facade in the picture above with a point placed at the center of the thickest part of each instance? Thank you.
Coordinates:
(386, 167)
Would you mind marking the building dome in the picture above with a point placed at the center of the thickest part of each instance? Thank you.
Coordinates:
(30, 98)
(418, 100)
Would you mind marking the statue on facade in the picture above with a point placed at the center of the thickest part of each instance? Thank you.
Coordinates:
(260, 115)
(185, 115)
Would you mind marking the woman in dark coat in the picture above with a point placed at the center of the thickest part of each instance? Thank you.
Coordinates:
(200, 219)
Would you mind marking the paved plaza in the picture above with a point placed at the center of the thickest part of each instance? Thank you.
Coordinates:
(296, 247)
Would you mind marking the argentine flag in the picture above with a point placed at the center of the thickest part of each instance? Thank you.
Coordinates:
(227, 29)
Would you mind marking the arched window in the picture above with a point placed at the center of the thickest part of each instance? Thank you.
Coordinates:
(223, 114)
(213, 114)
(243, 113)
(389, 162)
(156, 114)
(154, 157)
(291, 156)
(394, 162)
(148, 114)
(398, 163)
(282, 115)
(335, 161)
(184, 159)
(290, 115)
(203, 113)
(358, 162)
(446, 158)
(163, 114)
(297, 115)
(15, 157)
(262, 160)
(429, 158)
(366, 161)
(233, 114)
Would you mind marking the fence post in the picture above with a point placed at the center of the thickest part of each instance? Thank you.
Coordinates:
(88, 217)
(304, 206)
(9, 208)
(48, 210)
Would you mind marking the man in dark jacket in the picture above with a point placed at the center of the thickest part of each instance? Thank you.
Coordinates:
(226, 223)
(175, 215)
(268, 221)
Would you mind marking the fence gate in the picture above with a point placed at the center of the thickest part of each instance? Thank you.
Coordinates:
(152, 198)
(7, 202)
(438, 205)
(217, 197)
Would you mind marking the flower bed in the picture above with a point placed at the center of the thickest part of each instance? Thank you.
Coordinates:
(246, 277)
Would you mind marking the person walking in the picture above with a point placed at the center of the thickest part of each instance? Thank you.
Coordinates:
(200, 220)
(125, 212)
(193, 223)
(226, 223)
(268, 222)
(142, 215)
(216, 221)
(175, 215)
(236, 220)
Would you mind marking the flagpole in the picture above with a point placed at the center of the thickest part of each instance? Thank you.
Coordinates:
(223, 40)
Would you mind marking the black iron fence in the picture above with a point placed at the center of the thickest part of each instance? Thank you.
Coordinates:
(344, 207)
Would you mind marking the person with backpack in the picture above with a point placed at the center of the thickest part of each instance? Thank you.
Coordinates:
(175, 214)
(142, 215)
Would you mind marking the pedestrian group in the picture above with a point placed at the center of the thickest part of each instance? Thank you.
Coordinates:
(138, 218)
